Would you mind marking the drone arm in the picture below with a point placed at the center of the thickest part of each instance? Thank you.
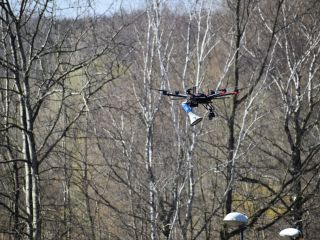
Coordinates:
(231, 93)
(175, 95)
(222, 94)
(166, 93)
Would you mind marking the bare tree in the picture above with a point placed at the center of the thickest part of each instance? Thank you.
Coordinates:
(41, 59)
(257, 58)
(297, 84)
(286, 196)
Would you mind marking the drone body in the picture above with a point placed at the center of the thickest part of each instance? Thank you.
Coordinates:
(193, 99)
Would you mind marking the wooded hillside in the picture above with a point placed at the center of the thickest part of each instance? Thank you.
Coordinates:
(90, 150)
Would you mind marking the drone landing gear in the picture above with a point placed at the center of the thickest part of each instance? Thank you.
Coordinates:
(210, 109)
(211, 114)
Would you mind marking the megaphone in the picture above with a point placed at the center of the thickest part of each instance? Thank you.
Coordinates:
(194, 119)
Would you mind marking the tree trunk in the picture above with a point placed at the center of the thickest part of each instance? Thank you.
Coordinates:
(66, 187)
(231, 120)
(36, 220)
(86, 182)
(151, 184)
(31, 166)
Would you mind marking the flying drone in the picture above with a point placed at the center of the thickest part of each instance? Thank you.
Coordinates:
(193, 99)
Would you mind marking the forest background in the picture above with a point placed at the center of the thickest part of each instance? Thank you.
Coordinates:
(90, 151)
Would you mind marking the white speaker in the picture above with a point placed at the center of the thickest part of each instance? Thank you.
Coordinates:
(194, 119)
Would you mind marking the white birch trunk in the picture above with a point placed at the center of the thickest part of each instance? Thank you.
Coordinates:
(151, 183)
